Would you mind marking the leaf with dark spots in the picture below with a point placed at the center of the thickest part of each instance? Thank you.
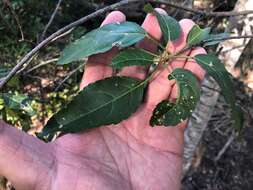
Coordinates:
(170, 114)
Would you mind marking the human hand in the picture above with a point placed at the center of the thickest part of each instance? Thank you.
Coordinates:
(131, 155)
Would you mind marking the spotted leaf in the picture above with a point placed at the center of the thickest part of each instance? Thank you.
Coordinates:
(103, 39)
(170, 114)
(107, 101)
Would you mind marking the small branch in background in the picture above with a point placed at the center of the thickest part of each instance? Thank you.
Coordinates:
(43, 63)
(26, 64)
(58, 33)
(225, 147)
(231, 38)
(183, 4)
(8, 3)
(205, 13)
(68, 76)
(50, 21)
(62, 35)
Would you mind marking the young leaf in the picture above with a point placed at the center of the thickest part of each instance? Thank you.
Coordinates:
(170, 27)
(214, 39)
(213, 66)
(103, 39)
(104, 102)
(133, 56)
(18, 102)
(170, 114)
(197, 35)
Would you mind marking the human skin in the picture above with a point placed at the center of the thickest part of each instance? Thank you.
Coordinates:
(128, 156)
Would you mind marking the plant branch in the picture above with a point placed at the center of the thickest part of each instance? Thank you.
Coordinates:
(68, 76)
(8, 3)
(58, 33)
(50, 20)
(214, 39)
(43, 63)
(230, 38)
(205, 13)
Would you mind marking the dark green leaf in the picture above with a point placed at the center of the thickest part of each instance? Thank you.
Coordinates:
(132, 57)
(170, 114)
(170, 27)
(197, 35)
(103, 39)
(18, 102)
(214, 39)
(104, 102)
(213, 66)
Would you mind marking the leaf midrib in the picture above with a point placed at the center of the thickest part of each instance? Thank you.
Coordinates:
(103, 105)
(198, 34)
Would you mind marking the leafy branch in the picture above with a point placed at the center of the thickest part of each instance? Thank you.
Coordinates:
(111, 100)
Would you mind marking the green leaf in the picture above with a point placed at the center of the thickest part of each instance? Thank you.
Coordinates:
(197, 35)
(213, 66)
(19, 102)
(104, 102)
(170, 114)
(171, 29)
(103, 39)
(132, 57)
(214, 39)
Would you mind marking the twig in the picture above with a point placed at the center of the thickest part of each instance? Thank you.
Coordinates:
(230, 38)
(183, 4)
(205, 13)
(68, 76)
(16, 18)
(26, 64)
(59, 32)
(43, 63)
(223, 150)
(50, 20)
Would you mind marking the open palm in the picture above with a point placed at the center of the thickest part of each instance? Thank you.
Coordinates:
(130, 155)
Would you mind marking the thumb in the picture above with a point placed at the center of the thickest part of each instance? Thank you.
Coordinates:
(22, 157)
